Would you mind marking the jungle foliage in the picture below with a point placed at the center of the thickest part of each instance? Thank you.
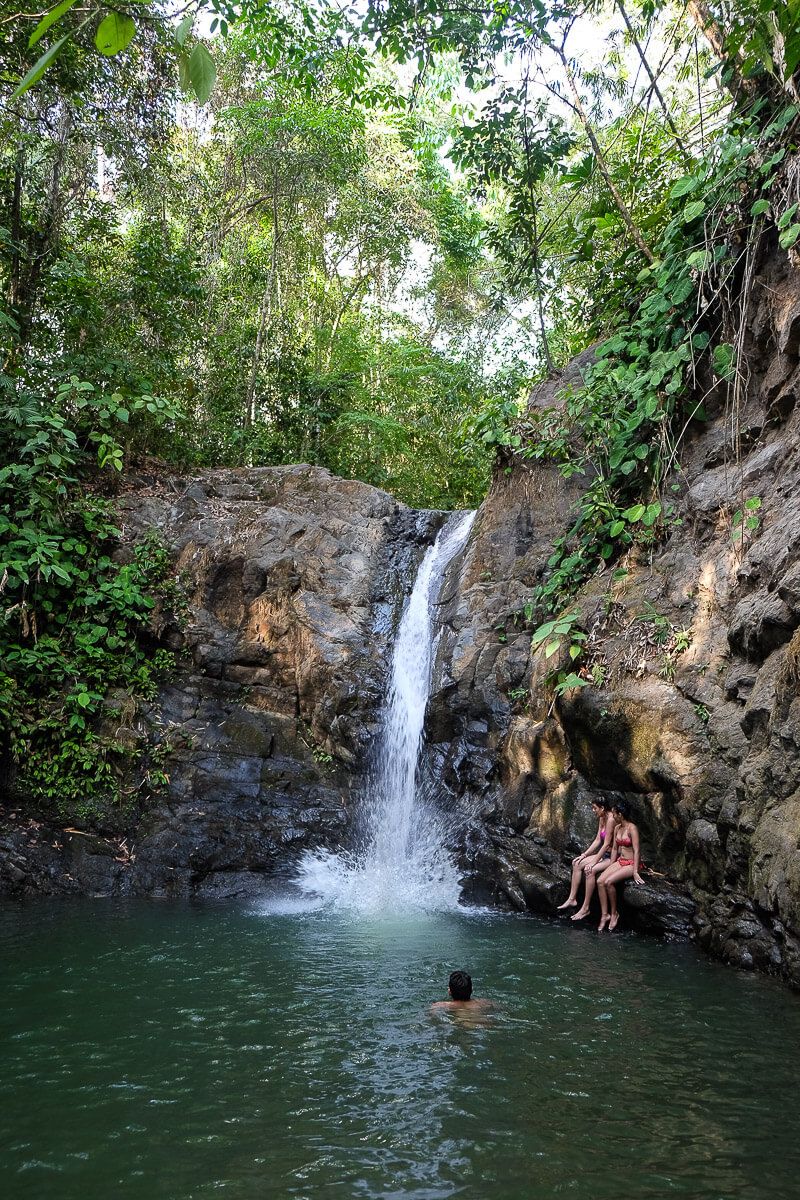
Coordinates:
(253, 232)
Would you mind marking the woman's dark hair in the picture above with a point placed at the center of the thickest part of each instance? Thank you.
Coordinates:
(623, 808)
(603, 802)
(460, 985)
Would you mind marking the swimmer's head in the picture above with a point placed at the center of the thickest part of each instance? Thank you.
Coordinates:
(460, 985)
(623, 809)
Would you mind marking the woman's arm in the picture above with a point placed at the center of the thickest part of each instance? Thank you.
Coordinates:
(591, 849)
(636, 854)
(614, 848)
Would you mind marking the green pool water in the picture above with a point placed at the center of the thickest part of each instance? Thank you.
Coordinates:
(155, 1050)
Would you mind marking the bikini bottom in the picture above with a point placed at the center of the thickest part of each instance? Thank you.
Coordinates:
(624, 862)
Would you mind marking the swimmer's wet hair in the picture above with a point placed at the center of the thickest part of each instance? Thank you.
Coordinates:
(623, 808)
(460, 984)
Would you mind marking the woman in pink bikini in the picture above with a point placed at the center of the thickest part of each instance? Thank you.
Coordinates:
(625, 863)
(594, 858)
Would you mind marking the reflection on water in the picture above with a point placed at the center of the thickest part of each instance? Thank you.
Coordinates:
(161, 1051)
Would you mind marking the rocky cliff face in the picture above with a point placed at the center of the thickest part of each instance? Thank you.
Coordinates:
(695, 658)
(293, 585)
(294, 582)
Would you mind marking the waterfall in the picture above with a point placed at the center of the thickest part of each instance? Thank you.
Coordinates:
(403, 863)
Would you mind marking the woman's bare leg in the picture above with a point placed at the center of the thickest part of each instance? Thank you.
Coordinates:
(612, 902)
(572, 898)
(590, 874)
(614, 877)
(604, 917)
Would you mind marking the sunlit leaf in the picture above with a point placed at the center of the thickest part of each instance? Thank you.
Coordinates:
(202, 72)
(184, 29)
(38, 69)
(49, 19)
(114, 33)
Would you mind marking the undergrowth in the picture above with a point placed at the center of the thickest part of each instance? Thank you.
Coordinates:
(74, 655)
(622, 429)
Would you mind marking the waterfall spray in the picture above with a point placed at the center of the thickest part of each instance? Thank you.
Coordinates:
(404, 863)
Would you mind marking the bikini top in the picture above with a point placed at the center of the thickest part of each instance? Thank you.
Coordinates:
(602, 835)
(625, 841)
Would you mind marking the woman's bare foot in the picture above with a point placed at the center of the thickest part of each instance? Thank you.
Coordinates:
(568, 903)
(612, 924)
(580, 914)
(603, 922)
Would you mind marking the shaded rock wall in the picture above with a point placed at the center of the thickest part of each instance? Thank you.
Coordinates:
(703, 738)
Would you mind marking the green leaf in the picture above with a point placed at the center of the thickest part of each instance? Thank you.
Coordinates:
(202, 72)
(114, 33)
(628, 467)
(571, 681)
(759, 207)
(184, 29)
(574, 652)
(38, 69)
(683, 186)
(635, 513)
(692, 211)
(724, 358)
(699, 259)
(542, 632)
(551, 648)
(789, 236)
(616, 528)
(84, 699)
(49, 19)
(753, 503)
(785, 217)
(183, 72)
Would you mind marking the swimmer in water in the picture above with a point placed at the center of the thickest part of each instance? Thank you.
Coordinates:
(461, 1002)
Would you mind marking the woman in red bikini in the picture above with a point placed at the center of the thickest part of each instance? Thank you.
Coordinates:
(587, 863)
(625, 863)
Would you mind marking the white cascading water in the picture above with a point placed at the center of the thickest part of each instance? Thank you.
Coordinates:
(404, 865)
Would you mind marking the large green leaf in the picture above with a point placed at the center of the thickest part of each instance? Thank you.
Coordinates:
(202, 72)
(184, 29)
(49, 19)
(114, 33)
(789, 237)
(39, 67)
(687, 184)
